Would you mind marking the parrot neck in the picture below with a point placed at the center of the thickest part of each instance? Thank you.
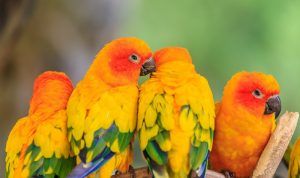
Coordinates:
(175, 73)
(49, 98)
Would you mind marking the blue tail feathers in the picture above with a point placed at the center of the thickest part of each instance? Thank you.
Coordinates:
(202, 169)
(82, 170)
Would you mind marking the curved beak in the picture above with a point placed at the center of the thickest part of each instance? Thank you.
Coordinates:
(148, 67)
(273, 105)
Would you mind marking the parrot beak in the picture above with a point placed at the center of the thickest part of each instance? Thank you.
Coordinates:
(273, 105)
(148, 67)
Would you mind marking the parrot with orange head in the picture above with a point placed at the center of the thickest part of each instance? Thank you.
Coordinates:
(38, 146)
(245, 120)
(102, 109)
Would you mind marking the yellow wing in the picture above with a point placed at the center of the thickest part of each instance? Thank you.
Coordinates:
(17, 137)
(102, 119)
(42, 148)
(294, 164)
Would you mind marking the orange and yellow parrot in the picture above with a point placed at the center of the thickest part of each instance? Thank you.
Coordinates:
(294, 163)
(176, 116)
(37, 145)
(245, 119)
(102, 110)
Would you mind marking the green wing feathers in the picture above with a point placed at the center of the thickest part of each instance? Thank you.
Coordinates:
(167, 117)
(47, 167)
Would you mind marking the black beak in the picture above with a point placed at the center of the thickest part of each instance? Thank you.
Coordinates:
(273, 105)
(148, 67)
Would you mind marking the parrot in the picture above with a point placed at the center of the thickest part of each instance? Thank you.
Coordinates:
(245, 120)
(176, 117)
(102, 110)
(38, 144)
(294, 163)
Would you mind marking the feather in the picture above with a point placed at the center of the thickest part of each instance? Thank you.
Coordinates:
(82, 170)
(158, 171)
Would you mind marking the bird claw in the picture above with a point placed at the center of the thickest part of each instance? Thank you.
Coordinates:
(149, 172)
(228, 174)
(118, 172)
(194, 174)
(131, 171)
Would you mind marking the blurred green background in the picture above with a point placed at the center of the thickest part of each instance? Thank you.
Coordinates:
(223, 37)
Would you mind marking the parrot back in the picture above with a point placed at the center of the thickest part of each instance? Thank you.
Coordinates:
(176, 125)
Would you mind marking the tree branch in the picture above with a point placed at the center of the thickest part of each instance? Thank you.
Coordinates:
(145, 173)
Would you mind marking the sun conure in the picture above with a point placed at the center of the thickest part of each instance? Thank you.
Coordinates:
(245, 119)
(38, 146)
(102, 110)
(294, 163)
(176, 116)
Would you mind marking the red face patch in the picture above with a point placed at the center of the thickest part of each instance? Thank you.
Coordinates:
(127, 56)
(253, 91)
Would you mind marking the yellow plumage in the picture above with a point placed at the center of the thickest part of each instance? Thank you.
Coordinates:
(176, 114)
(38, 145)
(106, 107)
(294, 164)
(102, 110)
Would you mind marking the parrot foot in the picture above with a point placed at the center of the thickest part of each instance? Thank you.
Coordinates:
(118, 172)
(193, 174)
(131, 171)
(228, 174)
(149, 171)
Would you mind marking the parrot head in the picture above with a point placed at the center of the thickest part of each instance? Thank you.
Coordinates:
(122, 61)
(170, 54)
(256, 92)
(51, 92)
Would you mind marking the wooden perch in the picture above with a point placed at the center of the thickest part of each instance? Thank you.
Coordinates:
(144, 173)
(278, 143)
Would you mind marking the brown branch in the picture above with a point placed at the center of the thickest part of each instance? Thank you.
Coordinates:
(138, 173)
(145, 173)
(278, 143)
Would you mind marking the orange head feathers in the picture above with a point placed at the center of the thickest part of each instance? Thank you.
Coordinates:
(170, 54)
(255, 92)
(121, 60)
(51, 92)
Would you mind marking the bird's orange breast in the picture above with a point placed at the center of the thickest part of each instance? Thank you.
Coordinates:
(239, 142)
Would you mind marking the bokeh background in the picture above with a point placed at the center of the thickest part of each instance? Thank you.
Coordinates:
(223, 37)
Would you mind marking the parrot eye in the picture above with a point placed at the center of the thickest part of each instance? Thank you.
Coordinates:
(257, 94)
(134, 58)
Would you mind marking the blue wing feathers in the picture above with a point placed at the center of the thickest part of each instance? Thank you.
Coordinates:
(82, 170)
(202, 169)
(101, 153)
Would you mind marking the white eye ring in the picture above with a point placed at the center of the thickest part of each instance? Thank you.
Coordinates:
(134, 58)
(257, 94)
